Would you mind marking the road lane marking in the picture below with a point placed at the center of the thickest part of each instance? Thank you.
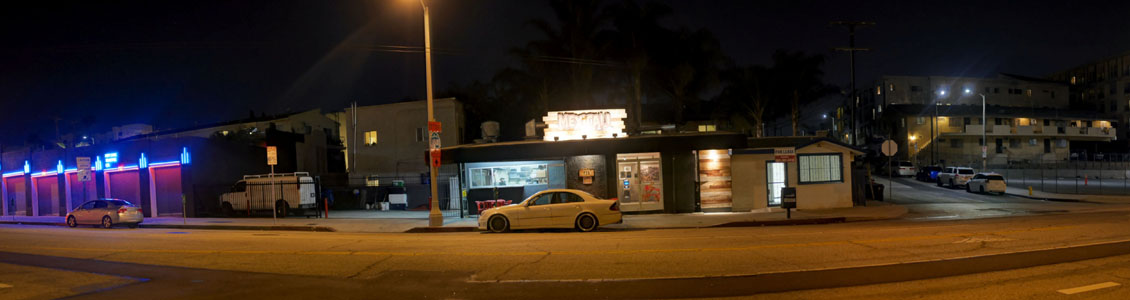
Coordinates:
(1088, 288)
(539, 253)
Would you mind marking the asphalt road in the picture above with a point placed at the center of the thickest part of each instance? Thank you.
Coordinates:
(714, 262)
(927, 201)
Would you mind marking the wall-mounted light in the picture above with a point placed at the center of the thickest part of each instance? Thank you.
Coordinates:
(185, 157)
(59, 167)
(142, 162)
(27, 167)
(97, 163)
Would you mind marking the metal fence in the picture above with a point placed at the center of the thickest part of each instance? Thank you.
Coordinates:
(417, 189)
(1081, 173)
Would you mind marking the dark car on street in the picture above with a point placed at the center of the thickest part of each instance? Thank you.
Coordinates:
(928, 173)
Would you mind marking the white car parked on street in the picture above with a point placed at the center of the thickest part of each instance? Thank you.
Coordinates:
(955, 176)
(556, 208)
(986, 182)
(905, 168)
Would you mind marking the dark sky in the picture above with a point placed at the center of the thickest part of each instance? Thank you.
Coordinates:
(177, 63)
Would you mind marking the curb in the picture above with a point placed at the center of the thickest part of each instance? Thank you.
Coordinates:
(1049, 199)
(211, 227)
(441, 229)
(812, 221)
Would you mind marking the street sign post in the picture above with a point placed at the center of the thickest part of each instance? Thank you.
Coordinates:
(83, 165)
(889, 149)
(272, 160)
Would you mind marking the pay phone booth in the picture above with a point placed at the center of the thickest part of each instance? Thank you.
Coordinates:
(788, 200)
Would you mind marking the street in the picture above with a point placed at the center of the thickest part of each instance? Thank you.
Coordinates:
(658, 263)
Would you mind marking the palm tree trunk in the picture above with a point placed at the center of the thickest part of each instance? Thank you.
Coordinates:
(796, 112)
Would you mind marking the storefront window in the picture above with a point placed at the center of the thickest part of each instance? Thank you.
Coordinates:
(504, 176)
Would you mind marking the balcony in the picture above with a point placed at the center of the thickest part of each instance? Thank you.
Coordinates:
(1025, 130)
(1088, 133)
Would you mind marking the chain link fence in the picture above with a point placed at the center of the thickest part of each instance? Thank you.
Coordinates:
(1079, 173)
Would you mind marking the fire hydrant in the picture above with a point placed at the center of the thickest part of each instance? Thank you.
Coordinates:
(1029, 190)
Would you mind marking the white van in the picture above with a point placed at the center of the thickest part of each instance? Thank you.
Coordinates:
(286, 193)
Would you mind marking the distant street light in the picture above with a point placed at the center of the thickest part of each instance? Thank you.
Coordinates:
(984, 139)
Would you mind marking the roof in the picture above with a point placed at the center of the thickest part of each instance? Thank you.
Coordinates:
(795, 142)
(1030, 79)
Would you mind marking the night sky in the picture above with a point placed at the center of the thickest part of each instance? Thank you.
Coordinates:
(178, 63)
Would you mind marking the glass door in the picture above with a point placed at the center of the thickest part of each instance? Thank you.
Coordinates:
(628, 186)
(640, 181)
(776, 179)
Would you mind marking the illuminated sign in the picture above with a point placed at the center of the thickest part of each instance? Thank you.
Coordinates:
(185, 158)
(584, 124)
(143, 162)
(97, 163)
(111, 159)
(59, 167)
(27, 167)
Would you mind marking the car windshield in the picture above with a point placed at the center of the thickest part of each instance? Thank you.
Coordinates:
(996, 177)
(964, 171)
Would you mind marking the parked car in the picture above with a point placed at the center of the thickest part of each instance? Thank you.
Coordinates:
(955, 176)
(106, 213)
(556, 208)
(905, 168)
(986, 182)
(928, 173)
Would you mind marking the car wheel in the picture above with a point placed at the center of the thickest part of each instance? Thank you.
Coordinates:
(107, 223)
(71, 222)
(586, 223)
(951, 184)
(938, 182)
(982, 189)
(281, 209)
(227, 210)
(132, 226)
(498, 224)
(967, 189)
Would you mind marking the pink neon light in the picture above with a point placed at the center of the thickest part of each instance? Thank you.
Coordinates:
(44, 174)
(121, 168)
(164, 164)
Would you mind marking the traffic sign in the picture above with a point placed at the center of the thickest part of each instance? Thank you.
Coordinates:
(272, 155)
(435, 126)
(890, 148)
(435, 154)
(83, 166)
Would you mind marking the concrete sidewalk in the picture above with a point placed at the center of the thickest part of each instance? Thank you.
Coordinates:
(775, 216)
(1109, 199)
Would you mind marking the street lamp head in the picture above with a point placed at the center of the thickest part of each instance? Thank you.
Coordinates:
(912, 138)
(941, 92)
(825, 116)
(968, 91)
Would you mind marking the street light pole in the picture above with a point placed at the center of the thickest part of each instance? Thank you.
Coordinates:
(435, 218)
(984, 139)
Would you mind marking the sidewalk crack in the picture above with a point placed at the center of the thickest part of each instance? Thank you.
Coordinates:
(369, 267)
(511, 268)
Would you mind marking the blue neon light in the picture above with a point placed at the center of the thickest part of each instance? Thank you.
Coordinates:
(59, 167)
(70, 170)
(185, 157)
(10, 174)
(111, 159)
(27, 167)
(142, 162)
(97, 163)
(165, 163)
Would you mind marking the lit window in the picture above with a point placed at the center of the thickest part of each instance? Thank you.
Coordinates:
(820, 168)
(878, 90)
(372, 181)
(892, 87)
(706, 128)
(370, 138)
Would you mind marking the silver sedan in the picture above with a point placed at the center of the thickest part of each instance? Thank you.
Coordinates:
(106, 213)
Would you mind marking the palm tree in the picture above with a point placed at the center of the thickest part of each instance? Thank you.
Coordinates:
(799, 80)
(568, 49)
(744, 95)
(635, 35)
(688, 65)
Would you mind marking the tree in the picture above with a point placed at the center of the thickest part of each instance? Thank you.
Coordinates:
(688, 65)
(744, 95)
(636, 33)
(568, 50)
(799, 78)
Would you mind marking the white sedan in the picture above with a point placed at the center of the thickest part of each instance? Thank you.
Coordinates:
(986, 182)
(557, 208)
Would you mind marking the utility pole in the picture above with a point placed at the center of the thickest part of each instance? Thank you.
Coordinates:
(851, 25)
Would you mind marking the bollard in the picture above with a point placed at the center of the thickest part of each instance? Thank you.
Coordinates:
(1029, 190)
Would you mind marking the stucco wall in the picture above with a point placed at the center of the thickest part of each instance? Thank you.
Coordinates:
(750, 191)
(749, 181)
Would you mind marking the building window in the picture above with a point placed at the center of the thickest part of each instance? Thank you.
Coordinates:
(504, 176)
(1028, 92)
(372, 181)
(1047, 146)
(707, 128)
(920, 120)
(1000, 146)
(1032, 142)
(1126, 89)
(988, 90)
(915, 88)
(996, 90)
(370, 138)
(956, 143)
(820, 168)
(1014, 143)
(879, 90)
(1072, 79)
(892, 87)
(420, 134)
(1061, 143)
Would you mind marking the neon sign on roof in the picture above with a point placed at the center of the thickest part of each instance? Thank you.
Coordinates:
(585, 124)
